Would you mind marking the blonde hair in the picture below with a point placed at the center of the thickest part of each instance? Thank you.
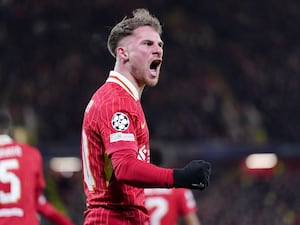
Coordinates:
(141, 17)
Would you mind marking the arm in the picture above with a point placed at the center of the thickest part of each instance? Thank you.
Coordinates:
(188, 207)
(142, 174)
(51, 213)
(139, 173)
(191, 219)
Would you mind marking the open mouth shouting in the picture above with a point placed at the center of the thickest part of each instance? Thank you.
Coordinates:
(155, 67)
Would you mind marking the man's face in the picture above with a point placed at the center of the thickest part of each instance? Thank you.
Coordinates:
(144, 49)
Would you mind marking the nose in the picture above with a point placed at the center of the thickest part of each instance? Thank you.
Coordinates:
(158, 50)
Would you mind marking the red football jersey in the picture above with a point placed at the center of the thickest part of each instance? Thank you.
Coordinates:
(166, 206)
(21, 182)
(113, 121)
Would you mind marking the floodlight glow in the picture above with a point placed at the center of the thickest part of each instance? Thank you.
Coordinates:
(261, 161)
(65, 164)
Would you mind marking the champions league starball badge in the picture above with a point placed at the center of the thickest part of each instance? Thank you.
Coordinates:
(120, 121)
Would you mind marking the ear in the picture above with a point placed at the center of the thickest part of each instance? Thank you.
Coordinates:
(122, 53)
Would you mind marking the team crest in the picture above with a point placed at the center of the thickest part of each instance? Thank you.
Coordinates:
(120, 121)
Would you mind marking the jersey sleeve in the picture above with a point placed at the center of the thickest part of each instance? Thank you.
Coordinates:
(140, 173)
(48, 211)
(118, 126)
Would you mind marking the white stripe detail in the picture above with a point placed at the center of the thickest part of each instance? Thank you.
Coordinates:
(9, 212)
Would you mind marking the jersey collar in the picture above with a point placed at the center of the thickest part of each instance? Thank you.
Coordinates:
(118, 78)
(5, 139)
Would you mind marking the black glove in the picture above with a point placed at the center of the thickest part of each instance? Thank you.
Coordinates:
(195, 175)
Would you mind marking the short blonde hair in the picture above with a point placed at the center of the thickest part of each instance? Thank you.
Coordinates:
(141, 17)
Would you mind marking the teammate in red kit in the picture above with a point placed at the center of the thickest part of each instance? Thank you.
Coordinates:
(115, 138)
(21, 179)
(168, 206)
(22, 182)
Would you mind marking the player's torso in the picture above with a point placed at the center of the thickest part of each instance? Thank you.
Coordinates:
(18, 184)
(120, 120)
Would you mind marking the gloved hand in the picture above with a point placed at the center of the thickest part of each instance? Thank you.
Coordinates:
(195, 175)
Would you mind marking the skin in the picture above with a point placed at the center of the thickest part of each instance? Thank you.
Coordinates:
(191, 219)
(135, 54)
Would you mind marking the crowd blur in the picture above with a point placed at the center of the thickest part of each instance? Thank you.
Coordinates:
(231, 69)
(239, 197)
(231, 72)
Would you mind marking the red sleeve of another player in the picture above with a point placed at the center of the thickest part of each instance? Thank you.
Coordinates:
(140, 173)
(52, 214)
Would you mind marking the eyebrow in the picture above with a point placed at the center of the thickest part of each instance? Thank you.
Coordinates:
(161, 43)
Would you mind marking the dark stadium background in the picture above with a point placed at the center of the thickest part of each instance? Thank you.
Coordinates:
(229, 87)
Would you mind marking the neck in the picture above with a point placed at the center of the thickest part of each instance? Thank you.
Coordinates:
(131, 78)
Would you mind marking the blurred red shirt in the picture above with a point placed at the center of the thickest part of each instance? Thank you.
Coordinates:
(21, 182)
(166, 206)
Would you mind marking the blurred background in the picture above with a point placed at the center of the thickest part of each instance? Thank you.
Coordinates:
(229, 88)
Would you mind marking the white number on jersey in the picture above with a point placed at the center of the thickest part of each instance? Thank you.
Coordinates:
(8, 177)
(161, 207)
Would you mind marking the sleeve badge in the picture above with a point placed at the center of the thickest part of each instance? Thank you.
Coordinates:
(120, 121)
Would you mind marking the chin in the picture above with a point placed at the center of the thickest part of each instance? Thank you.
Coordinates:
(151, 80)
(152, 83)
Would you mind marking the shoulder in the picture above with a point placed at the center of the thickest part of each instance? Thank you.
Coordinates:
(182, 193)
(30, 150)
(110, 90)
(112, 97)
